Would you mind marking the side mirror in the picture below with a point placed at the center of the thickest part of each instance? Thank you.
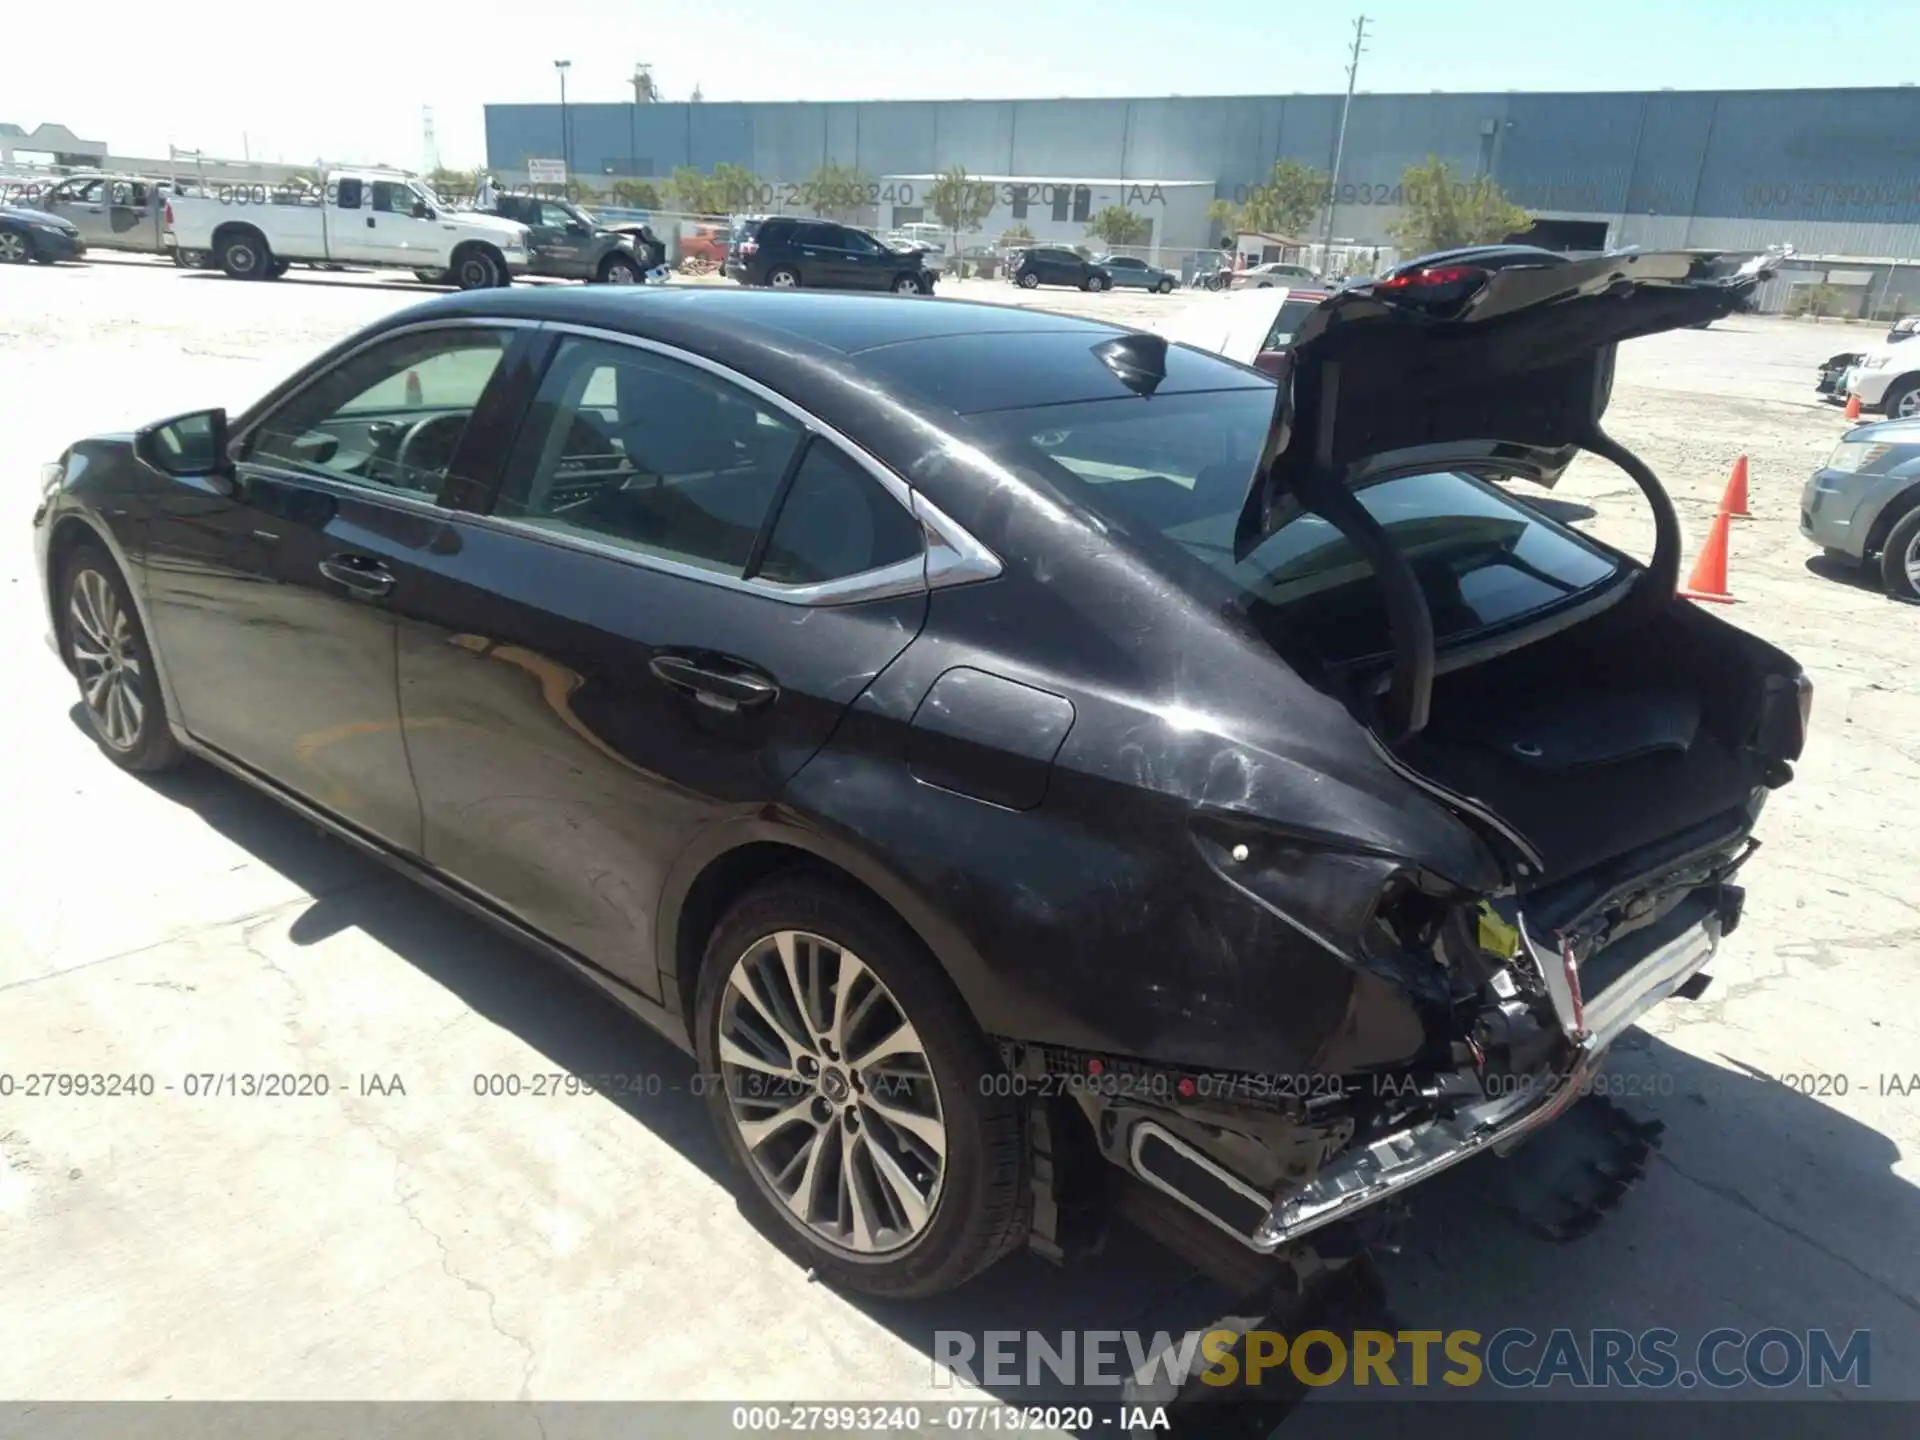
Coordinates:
(574, 227)
(194, 444)
(422, 210)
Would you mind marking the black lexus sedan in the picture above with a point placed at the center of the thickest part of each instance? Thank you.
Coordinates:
(982, 736)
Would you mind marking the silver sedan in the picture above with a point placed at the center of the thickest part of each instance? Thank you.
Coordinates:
(1863, 505)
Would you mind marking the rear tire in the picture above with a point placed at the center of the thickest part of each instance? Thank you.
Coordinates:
(107, 651)
(1900, 559)
(244, 257)
(783, 277)
(962, 1157)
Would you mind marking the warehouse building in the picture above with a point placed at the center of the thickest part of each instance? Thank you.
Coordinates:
(1831, 172)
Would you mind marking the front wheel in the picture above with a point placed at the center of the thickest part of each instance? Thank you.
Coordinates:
(853, 1093)
(1900, 560)
(619, 270)
(108, 653)
(475, 269)
(1903, 400)
(1029, 281)
(1165, 287)
(907, 285)
(15, 248)
(1095, 284)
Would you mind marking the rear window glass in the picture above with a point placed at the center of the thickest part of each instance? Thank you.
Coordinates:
(1293, 314)
(1171, 474)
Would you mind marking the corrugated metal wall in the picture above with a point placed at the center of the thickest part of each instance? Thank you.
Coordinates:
(1758, 165)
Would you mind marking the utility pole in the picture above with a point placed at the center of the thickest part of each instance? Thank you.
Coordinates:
(566, 130)
(1340, 145)
(642, 92)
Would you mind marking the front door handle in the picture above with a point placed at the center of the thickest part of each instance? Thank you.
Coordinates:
(369, 222)
(726, 688)
(361, 574)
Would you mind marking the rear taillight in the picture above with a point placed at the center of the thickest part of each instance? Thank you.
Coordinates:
(1436, 287)
(749, 247)
(169, 212)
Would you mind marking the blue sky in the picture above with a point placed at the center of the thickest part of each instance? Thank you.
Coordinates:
(294, 87)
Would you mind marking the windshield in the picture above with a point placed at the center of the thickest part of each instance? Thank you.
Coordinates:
(1170, 473)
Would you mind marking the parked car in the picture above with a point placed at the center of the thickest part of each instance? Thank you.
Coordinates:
(1128, 272)
(1253, 327)
(110, 212)
(29, 234)
(1273, 273)
(788, 253)
(1886, 377)
(567, 243)
(374, 217)
(1863, 505)
(939, 718)
(1057, 265)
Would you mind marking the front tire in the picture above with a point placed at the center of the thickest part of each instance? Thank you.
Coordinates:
(907, 285)
(619, 270)
(476, 269)
(15, 247)
(107, 650)
(1165, 287)
(853, 1096)
(1900, 559)
(1029, 281)
(1903, 399)
(1095, 284)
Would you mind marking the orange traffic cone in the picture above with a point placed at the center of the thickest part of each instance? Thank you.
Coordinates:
(1734, 502)
(1709, 578)
(1853, 407)
(413, 387)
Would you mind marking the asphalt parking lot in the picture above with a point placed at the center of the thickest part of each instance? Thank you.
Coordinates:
(404, 1238)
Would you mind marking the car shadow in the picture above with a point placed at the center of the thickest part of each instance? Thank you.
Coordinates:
(1763, 1206)
(1858, 577)
(344, 278)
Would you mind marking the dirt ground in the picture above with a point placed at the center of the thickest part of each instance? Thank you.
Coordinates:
(444, 1245)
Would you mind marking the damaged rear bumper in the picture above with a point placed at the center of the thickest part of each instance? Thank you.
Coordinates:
(1630, 978)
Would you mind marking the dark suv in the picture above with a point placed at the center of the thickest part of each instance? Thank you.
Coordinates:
(1057, 265)
(786, 253)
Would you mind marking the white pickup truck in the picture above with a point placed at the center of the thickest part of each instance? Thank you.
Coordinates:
(383, 218)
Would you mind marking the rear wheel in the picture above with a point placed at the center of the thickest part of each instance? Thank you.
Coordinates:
(110, 658)
(852, 1092)
(1900, 560)
(244, 257)
(784, 277)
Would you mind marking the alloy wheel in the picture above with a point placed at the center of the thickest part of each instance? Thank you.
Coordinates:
(832, 1094)
(1911, 562)
(105, 654)
(782, 280)
(1908, 404)
(13, 247)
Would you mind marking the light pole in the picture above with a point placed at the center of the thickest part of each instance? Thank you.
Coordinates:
(1339, 147)
(566, 130)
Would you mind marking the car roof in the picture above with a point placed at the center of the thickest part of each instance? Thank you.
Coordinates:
(952, 355)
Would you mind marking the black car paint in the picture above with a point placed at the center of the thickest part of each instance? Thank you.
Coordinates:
(782, 242)
(47, 236)
(1098, 918)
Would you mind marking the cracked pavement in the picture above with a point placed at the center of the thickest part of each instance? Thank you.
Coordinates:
(438, 1243)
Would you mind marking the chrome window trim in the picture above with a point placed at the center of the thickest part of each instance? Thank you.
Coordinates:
(950, 556)
(238, 438)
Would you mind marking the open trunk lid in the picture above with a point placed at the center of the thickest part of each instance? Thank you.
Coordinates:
(1495, 360)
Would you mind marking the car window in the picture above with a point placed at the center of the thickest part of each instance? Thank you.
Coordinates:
(860, 243)
(836, 521)
(830, 236)
(390, 416)
(1174, 475)
(1125, 262)
(647, 453)
(393, 197)
(1293, 314)
(555, 215)
(348, 194)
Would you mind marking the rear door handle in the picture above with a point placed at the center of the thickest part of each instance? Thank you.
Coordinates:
(360, 573)
(727, 688)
